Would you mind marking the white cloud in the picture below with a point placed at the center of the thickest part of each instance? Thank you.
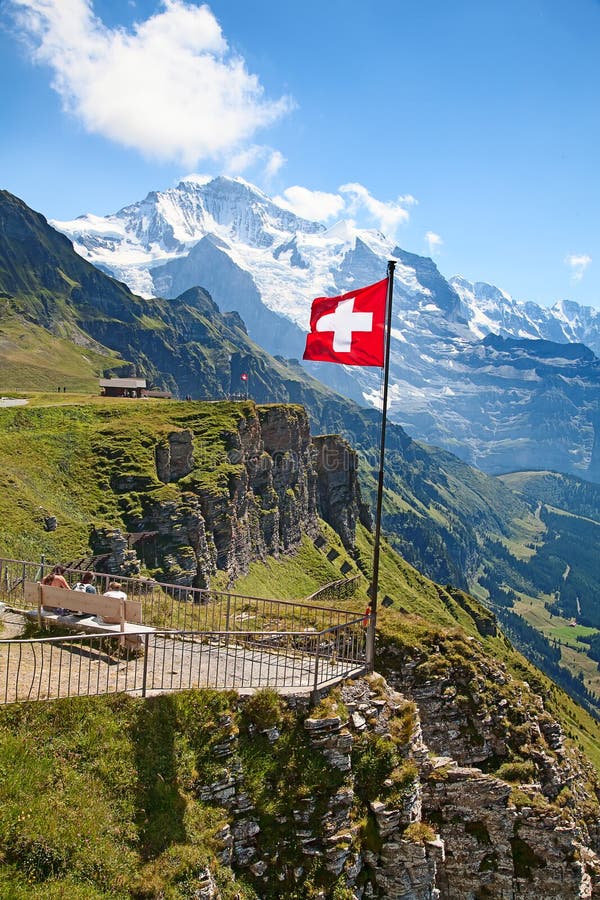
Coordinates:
(434, 242)
(353, 201)
(318, 206)
(386, 214)
(578, 262)
(250, 157)
(170, 87)
(274, 163)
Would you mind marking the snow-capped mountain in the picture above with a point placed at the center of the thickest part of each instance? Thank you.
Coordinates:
(167, 224)
(489, 310)
(479, 398)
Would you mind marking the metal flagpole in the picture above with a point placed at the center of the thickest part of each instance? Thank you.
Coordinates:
(373, 590)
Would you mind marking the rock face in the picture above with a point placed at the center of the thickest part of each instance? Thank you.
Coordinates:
(174, 456)
(339, 497)
(391, 819)
(287, 440)
(256, 495)
(261, 502)
(120, 559)
(503, 788)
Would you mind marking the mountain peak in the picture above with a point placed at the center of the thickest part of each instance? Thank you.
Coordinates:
(195, 178)
(436, 291)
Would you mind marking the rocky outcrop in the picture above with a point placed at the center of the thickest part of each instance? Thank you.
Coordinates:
(339, 497)
(504, 787)
(261, 502)
(390, 819)
(119, 558)
(175, 455)
(256, 497)
(322, 836)
(187, 548)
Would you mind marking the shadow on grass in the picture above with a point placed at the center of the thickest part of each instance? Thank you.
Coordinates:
(161, 807)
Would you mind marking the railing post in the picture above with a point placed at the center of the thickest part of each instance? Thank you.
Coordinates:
(316, 682)
(370, 648)
(145, 669)
(227, 623)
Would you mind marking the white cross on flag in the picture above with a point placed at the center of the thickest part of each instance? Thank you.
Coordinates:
(349, 329)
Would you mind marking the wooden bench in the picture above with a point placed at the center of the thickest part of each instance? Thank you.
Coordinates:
(89, 613)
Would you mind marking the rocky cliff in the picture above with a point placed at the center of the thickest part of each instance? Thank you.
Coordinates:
(339, 495)
(393, 818)
(268, 481)
(261, 502)
(212, 795)
(513, 800)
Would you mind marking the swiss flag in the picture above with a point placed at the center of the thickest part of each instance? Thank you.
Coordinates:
(349, 329)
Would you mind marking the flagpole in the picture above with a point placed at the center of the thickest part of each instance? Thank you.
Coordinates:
(374, 587)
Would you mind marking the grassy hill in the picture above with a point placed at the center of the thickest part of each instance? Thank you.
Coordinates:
(555, 574)
(31, 357)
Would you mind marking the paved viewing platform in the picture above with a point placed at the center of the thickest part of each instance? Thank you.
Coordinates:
(200, 639)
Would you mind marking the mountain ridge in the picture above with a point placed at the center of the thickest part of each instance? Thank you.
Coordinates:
(446, 387)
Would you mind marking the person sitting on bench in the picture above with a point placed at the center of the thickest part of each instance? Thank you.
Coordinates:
(57, 579)
(86, 584)
(114, 590)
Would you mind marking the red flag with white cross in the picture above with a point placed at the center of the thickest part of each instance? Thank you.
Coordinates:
(349, 329)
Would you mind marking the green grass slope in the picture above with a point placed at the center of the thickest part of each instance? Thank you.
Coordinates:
(89, 461)
(33, 358)
(579, 497)
(101, 797)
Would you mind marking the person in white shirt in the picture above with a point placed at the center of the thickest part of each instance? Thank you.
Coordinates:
(114, 590)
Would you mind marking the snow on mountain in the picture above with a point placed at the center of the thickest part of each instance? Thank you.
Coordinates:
(279, 248)
(166, 224)
(490, 310)
(450, 384)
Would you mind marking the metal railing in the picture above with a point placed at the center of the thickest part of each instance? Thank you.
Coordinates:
(164, 661)
(183, 608)
(205, 639)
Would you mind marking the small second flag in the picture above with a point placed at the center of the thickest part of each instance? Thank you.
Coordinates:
(349, 329)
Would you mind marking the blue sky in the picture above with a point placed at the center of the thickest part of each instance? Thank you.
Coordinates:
(468, 129)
